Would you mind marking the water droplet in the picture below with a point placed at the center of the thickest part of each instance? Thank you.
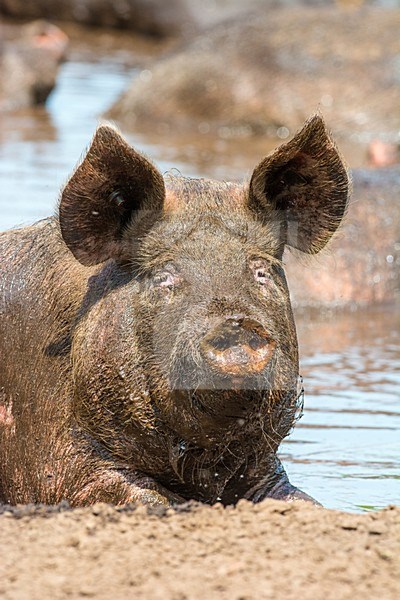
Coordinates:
(146, 75)
(204, 127)
(283, 133)
(389, 259)
(327, 100)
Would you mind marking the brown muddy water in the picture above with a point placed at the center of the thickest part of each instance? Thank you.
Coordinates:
(345, 451)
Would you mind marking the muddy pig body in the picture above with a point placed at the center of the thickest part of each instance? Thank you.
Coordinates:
(148, 349)
(282, 60)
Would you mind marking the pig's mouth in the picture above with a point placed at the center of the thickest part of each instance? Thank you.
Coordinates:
(205, 416)
(224, 397)
(227, 406)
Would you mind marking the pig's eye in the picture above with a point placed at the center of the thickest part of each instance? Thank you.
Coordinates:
(166, 280)
(261, 272)
(261, 275)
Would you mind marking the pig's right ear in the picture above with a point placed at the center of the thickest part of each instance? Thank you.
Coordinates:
(110, 185)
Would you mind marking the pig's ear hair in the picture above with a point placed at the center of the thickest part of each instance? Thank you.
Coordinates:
(112, 183)
(304, 185)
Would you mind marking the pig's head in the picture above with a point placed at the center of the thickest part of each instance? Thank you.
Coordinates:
(190, 324)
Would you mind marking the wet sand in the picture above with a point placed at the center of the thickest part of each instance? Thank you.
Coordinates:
(271, 550)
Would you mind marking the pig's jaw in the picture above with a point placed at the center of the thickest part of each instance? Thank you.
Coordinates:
(207, 418)
(236, 462)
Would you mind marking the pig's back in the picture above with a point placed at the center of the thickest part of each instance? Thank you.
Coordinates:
(41, 289)
(40, 281)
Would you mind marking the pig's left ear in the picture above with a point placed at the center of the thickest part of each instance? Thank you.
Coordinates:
(112, 183)
(304, 185)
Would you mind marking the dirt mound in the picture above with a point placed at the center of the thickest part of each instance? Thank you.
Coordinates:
(269, 550)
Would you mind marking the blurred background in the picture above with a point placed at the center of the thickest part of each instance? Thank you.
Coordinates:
(209, 88)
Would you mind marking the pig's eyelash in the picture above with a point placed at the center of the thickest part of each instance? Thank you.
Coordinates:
(268, 258)
(165, 280)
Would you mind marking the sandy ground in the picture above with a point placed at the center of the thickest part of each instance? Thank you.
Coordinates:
(271, 550)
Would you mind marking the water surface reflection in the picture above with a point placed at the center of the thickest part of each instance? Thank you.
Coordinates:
(345, 451)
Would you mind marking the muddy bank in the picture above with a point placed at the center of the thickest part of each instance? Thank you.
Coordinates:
(271, 550)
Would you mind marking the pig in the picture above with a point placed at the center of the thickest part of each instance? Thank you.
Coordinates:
(30, 56)
(148, 347)
(258, 73)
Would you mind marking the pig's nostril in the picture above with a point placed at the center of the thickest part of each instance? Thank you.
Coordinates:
(224, 341)
(256, 342)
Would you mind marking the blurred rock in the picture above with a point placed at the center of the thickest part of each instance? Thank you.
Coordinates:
(29, 59)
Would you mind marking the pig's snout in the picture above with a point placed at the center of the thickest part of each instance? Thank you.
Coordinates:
(239, 346)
